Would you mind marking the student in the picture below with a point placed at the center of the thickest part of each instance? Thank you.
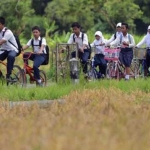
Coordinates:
(99, 44)
(115, 35)
(9, 50)
(126, 42)
(82, 40)
(38, 57)
(146, 41)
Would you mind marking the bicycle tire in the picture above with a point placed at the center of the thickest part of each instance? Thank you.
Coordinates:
(110, 71)
(92, 74)
(17, 77)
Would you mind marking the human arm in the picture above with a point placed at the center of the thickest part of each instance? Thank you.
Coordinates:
(107, 42)
(141, 42)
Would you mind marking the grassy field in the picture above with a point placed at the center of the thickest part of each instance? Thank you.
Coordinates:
(105, 115)
(101, 115)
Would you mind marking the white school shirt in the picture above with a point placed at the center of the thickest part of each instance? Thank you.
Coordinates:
(117, 41)
(145, 40)
(8, 36)
(98, 49)
(113, 37)
(78, 40)
(36, 47)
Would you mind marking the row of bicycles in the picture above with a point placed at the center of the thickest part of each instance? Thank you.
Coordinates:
(21, 76)
(115, 69)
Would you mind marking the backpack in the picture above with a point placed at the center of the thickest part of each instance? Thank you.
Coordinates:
(47, 51)
(17, 41)
(89, 45)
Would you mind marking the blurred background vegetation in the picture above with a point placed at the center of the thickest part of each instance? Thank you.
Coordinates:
(56, 16)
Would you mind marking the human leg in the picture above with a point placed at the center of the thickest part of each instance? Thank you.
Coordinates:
(10, 62)
(38, 60)
(84, 58)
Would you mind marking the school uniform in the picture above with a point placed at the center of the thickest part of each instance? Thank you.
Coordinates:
(126, 53)
(99, 55)
(146, 41)
(37, 59)
(83, 56)
(9, 51)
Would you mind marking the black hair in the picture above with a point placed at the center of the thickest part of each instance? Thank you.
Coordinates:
(2, 20)
(125, 24)
(36, 28)
(76, 24)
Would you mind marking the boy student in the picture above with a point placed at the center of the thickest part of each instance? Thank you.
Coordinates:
(99, 44)
(38, 57)
(116, 34)
(126, 42)
(146, 41)
(9, 47)
(82, 40)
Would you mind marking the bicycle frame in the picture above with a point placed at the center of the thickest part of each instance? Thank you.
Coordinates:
(29, 70)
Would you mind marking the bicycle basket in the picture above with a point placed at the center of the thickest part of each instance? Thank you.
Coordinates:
(139, 53)
(111, 53)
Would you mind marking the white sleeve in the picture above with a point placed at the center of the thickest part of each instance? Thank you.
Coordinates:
(70, 41)
(116, 42)
(29, 42)
(110, 40)
(132, 44)
(141, 42)
(85, 40)
(43, 41)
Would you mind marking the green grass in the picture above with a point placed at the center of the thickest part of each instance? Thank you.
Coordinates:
(56, 91)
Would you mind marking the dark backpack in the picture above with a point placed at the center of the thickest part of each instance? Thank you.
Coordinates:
(89, 45)
(47, 51)
(17, 41)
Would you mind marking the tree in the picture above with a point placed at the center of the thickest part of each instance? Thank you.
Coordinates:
(16, 14)
(68, 11)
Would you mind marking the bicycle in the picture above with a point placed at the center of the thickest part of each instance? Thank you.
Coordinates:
(92, 73)
(140, 56)
(16, 77)
(28, 70)
(115, 69)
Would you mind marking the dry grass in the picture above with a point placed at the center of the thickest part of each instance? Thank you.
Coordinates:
(89, 120)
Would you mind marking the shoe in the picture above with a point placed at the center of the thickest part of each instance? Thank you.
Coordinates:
(10, 79)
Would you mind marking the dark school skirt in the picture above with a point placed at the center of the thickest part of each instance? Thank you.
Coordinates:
(126, 56)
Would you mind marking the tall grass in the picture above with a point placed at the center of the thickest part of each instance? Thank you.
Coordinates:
(104, 117)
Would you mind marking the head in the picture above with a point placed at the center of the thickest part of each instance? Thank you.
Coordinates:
(36, 32)
(2, 23)
(118, 27)
(98, 35)
(148, 29)
(124, 28)
(76, 28)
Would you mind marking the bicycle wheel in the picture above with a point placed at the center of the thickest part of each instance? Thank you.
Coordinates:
(120, 71)
(43, 78)
(92, 74)
(110, 70)
(17, 77)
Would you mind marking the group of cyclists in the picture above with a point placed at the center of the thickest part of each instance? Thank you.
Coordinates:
(121, 38)
(9, 50)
